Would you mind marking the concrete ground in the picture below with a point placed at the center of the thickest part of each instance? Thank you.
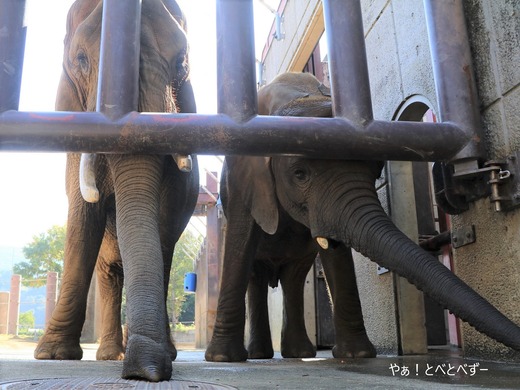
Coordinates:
(440, 369)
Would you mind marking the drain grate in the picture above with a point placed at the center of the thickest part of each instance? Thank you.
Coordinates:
(107, 384)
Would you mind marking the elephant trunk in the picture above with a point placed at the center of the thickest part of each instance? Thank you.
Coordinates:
(368, 229)
(136, 182)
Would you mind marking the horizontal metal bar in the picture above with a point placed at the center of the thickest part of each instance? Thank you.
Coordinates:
(333, 138)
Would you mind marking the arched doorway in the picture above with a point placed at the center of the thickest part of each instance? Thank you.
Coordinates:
(441, 327)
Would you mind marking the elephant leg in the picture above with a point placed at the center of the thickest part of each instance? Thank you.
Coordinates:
(295, 341)
(167, 258)
(179, 191)
(227, 342)
(260, 343)
(85, 226)
(109, 273)
(351, 338)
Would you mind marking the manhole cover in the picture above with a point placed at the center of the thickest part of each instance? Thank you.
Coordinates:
(107, 383)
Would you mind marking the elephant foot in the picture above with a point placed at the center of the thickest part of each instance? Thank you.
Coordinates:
(297, 347)
(356, 346)
(146, 359)
(110, 351)
(260, 350)
(52, 348)
(226, 352)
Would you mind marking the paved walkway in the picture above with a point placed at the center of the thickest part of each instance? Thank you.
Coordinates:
(438, 370)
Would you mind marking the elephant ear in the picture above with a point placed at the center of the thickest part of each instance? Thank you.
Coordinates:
(186, 98)
(254, 177)
(67, 98)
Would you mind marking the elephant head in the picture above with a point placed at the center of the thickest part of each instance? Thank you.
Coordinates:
(82, 57)
(143, 203)
(337, 201)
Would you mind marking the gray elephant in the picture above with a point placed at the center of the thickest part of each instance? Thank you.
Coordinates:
(338, 203)
(142, 202)
(284, 252)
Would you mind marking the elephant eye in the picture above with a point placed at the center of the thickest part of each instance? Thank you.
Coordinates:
(300, 174)
(83, 62)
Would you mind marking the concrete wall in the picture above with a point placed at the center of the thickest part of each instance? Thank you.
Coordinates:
(492, 264)
(400, 69)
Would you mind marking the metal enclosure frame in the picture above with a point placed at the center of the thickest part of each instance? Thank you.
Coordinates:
(237, 129)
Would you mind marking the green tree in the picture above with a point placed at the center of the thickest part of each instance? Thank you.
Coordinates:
(26, 321)
(186, 250)
(44, 254)
(187, 313)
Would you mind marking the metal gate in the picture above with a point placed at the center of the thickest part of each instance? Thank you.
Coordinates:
(237, 129)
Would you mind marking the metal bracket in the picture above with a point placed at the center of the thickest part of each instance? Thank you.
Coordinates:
(498, 179)
(463, 236)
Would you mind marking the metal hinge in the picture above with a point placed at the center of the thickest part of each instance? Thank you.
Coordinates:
(502, 179)
(497, 179)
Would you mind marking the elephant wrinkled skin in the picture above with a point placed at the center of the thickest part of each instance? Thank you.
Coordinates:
(144, 204)
(338, 204)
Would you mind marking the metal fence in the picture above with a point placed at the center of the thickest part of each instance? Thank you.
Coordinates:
(237, 129)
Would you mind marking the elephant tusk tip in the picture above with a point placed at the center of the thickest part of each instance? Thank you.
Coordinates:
(323, 242)
(90, 195)
(184, 163)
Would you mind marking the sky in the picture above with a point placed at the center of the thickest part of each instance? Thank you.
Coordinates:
(32, 196)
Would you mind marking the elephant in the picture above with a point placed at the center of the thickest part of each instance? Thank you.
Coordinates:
(336, 200)
(285, 253)
(130, 222)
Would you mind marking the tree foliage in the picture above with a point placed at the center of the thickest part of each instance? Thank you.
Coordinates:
(26, 321)
(44, 254)
(184, 257)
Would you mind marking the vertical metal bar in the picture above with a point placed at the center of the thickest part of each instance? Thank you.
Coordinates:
(118, 82)
(348, 60)
(236, 73)
(453, 72)
(12, 47)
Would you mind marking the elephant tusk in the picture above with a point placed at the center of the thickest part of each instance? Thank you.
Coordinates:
(87, 178)
(323, 242)
(183, 162)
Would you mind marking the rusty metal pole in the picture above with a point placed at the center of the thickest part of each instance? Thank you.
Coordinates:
(118, 82)
(51, 295)
(454, 78)
(14, 304)
(348, 67)
(12, 47)
(4, 311)
(218, 134)
(236, 74)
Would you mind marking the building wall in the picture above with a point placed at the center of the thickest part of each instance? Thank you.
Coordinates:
(492, 264)
(400, 69)
(302, 27)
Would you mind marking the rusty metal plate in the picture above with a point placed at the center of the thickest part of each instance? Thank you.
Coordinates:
(107, 383)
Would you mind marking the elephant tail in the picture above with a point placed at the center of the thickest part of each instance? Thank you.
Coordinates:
(371, 232)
